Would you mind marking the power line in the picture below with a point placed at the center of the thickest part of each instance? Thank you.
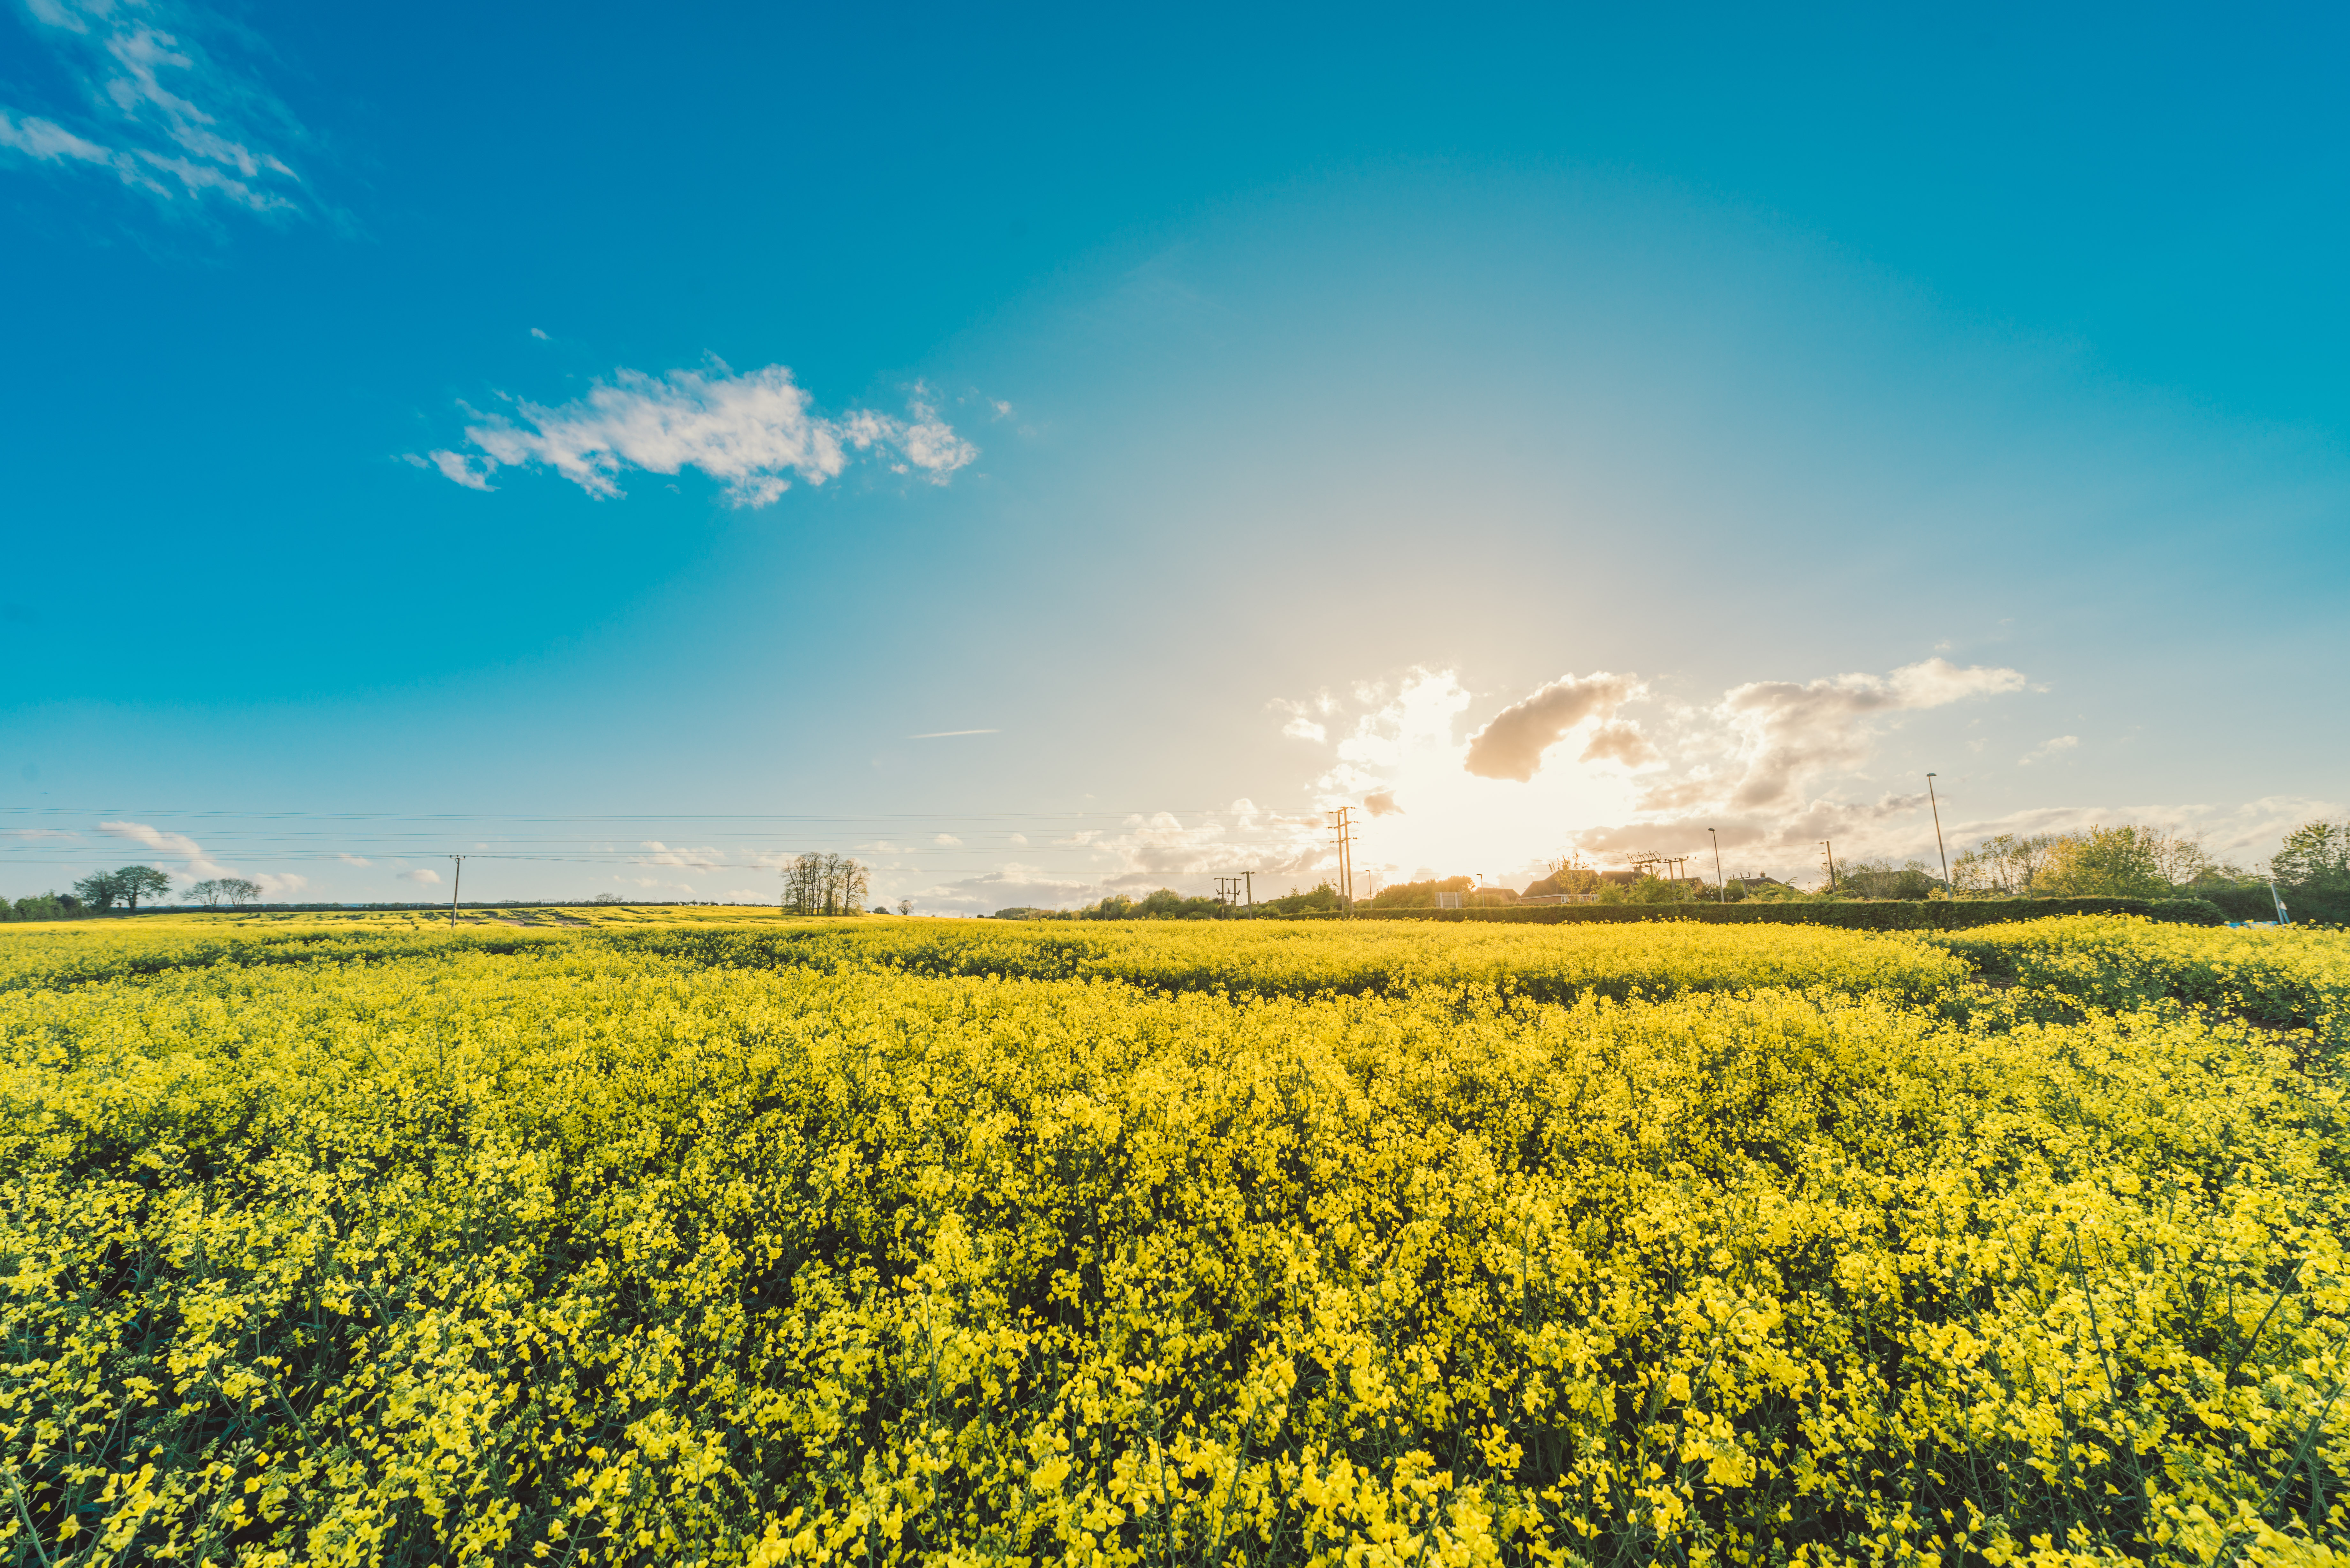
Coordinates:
(629, 816)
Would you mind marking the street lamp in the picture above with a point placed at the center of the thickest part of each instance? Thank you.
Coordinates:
(1938, 829)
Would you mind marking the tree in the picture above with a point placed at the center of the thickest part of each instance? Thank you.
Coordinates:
(137, 882)
(2315, 854)
(207, 892)
(1647, 889)
(99, 891)
(1322, 899)
(826, 885)
(238, 891)
(1418, 894)
(2124, 862)
(132, 883)
(905, 906)
(2313, 869)
(1570, 874)
(1882, 880)
(2003, 863)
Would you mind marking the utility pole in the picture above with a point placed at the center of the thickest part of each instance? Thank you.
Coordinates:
(455, 883)
(1938, 829)
(1342, 835)
(1829, 846)
(1721, 887)
(1248, 879)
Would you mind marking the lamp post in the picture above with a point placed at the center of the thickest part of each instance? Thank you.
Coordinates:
(1936, 807)
(1721, 887)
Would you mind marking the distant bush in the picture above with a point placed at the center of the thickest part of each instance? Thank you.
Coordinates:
(1870, 915)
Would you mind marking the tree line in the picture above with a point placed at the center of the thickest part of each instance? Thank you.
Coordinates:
(124, 886)
(2133, 860)
(2311, 871)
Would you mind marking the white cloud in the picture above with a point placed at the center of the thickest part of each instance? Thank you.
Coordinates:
(1512, 746)
(2047, 749)
(159, 114)
(420, 874)
(948, 839)
(750, 431)
(37, 833)
(456, 467)
(1771, 767)
(349, 859)
(704, 859)
(196, 865)
(1501, 800)
(943, 734)
(154, 838)
(1788, 733)
(538, 333)
(707, 858)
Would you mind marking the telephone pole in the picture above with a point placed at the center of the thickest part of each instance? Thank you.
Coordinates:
(1938, 829)
(1829, 846)
(1721, 889)
(1342, 838)
(1248, 881)
(455, 883)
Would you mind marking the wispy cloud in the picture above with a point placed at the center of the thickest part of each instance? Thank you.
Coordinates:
(37, 833)
(153, 838)
(159, 114)
(754, 431)
(2047, 749)
(707, 858)
(420, 874)
(943, 734)
(195, 864)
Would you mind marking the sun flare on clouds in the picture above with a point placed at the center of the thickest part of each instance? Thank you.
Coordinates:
(1596, 763)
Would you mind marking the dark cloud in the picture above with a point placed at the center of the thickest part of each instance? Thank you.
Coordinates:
(1511, 746)
(1621, 740)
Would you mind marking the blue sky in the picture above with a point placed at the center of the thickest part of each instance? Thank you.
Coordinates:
(630, 448)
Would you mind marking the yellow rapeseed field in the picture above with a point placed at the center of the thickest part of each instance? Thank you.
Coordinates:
(877, 1243)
